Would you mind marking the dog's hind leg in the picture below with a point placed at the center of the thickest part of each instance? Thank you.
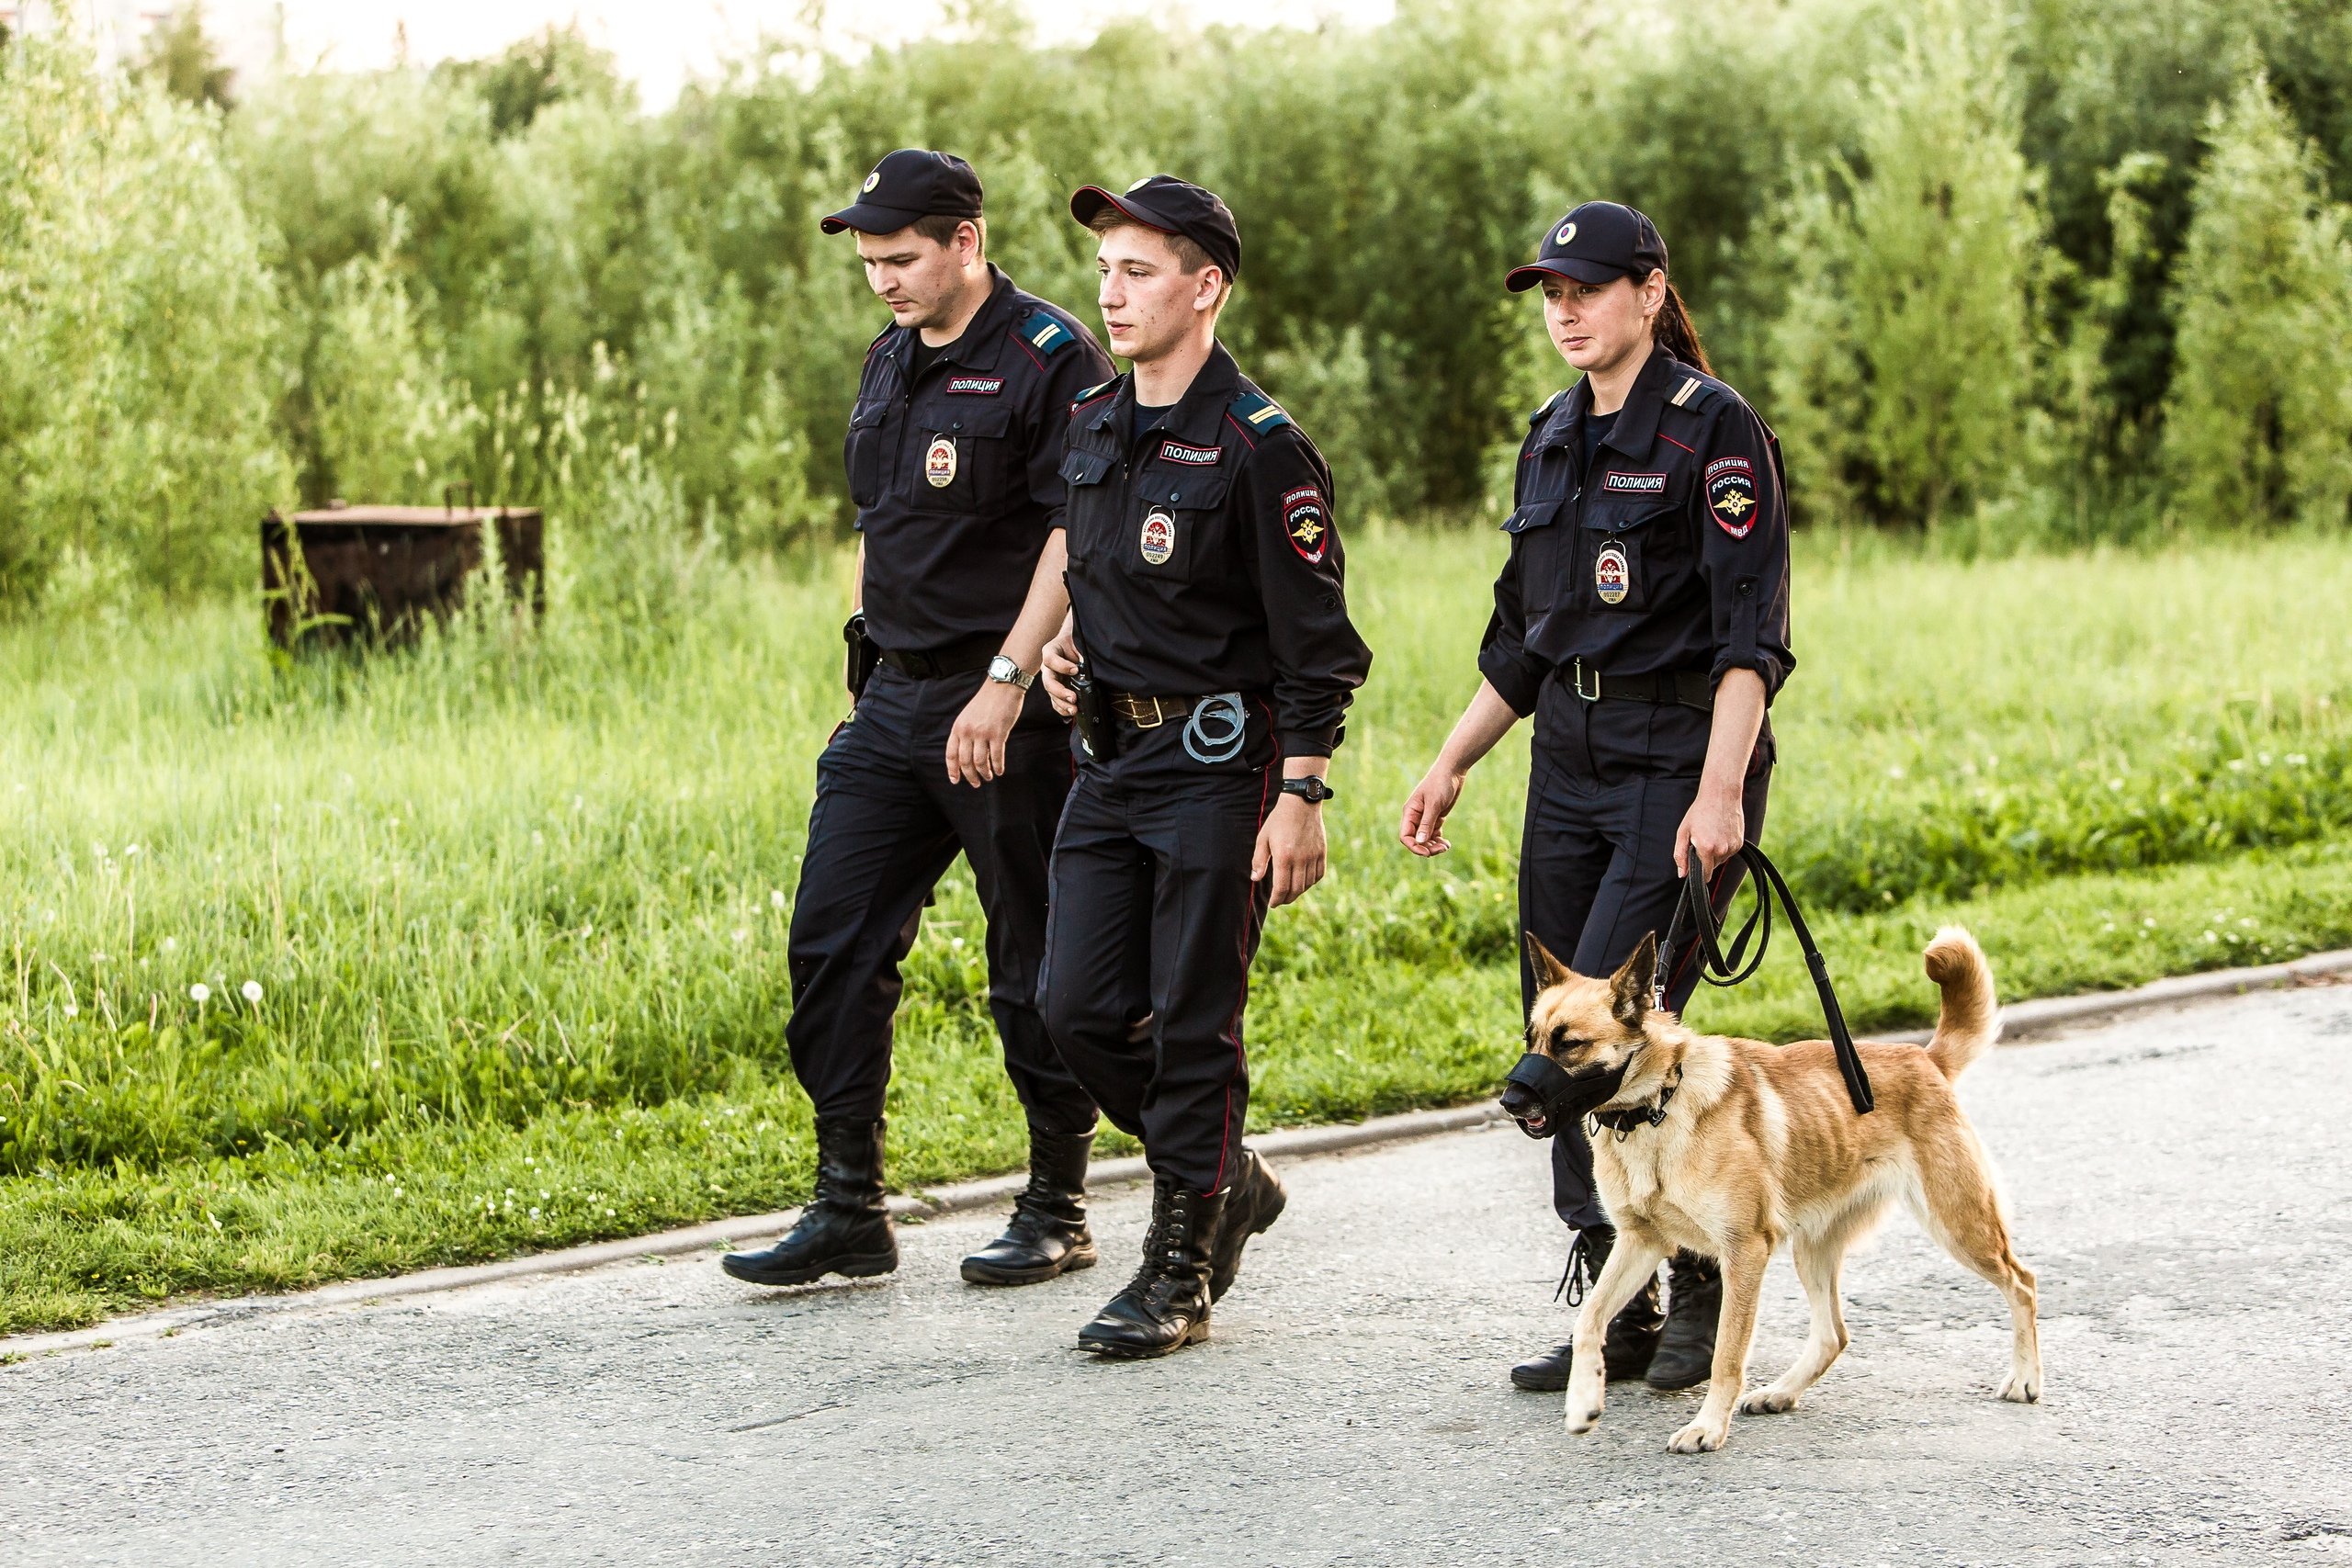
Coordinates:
(1635, 1259)
(1819, 1261)
(1734, 1329)
(1960, 1209)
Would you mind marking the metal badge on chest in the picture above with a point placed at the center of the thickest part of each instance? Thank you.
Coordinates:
(1159, 536)
(1611, 575)
(939, 462)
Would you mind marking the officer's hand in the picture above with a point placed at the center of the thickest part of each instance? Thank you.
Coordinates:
(1421, 828)
(1061, 668)
(976, 746)
(1290, 850)
(1715, 826)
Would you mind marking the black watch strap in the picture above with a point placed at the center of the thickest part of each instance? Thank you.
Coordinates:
(1313, 791)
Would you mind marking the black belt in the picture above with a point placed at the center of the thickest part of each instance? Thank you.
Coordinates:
(966, 658)
(1690, 688)
(1150, 713)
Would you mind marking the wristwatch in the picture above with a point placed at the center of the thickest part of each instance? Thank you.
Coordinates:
(1005, 672)
(1313, 791)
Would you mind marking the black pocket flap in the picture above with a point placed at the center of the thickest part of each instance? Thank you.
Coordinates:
(982, 419)
(1622, 515)
(1189, 491)
(1534, 514)
(1084, 467)
(866, 416)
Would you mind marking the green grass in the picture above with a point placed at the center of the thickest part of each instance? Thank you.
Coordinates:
(512, 905)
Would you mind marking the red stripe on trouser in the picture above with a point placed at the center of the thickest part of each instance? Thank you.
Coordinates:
(1249, 918)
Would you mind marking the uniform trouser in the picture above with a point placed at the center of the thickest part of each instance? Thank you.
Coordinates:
(886, 826)
(1596, 867)
(1147, 946)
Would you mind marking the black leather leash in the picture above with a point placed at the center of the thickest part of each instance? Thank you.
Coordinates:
(1717, 969)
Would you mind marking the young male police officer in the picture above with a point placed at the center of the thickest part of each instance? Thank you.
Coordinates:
(952, 449)
(1212, 639)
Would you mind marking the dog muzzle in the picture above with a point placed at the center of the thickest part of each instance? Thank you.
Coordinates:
(1544, 1097)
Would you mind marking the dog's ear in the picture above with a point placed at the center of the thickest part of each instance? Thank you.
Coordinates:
(1629, 989)
(1549, 971)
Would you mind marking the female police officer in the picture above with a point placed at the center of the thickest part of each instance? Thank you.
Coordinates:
(1642, 618)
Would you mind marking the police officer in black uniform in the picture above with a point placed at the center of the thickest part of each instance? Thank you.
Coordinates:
(1211, 662)
(954, 448)
(1642, 619)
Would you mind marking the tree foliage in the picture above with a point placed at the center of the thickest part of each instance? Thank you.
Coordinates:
(2258, 427)
(1945, 250)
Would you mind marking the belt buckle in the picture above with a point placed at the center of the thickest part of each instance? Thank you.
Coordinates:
(1136, 713)
(1576, 679)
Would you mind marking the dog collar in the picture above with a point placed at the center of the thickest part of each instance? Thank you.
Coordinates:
(1623, 1121)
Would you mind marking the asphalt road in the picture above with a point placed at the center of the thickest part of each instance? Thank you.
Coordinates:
(2179, 1181)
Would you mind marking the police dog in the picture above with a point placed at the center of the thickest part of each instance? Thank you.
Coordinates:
(1759, 1144)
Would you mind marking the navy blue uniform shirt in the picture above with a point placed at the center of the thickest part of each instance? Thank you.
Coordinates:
(1667, 552)
(1202, 555)
(954, 472)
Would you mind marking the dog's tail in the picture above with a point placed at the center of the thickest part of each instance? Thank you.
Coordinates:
(1971, 1019)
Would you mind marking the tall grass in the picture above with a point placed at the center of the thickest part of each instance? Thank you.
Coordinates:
(513, 883)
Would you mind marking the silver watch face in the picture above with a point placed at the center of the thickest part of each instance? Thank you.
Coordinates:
(1002, 669)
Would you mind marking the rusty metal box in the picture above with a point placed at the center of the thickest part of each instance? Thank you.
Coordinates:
(375, 572)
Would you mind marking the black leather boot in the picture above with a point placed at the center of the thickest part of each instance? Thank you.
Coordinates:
(1252, 1205)
(1048, 1235)
(1694, 1301)
(846, 1227)
(1166, 1306)
(1633, 1333)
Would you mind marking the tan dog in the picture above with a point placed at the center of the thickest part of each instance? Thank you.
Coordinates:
(1759, 1144)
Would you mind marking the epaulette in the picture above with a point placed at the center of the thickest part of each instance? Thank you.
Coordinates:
(1692, 391)
(1257, 413)
(1041, 332)
(1091, 393)
(880, 338)
(1544, 410)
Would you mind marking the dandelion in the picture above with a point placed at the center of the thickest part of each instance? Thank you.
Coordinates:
(200, 993)
(129, 850)
(251, 991)
(2296, 759)
(2150, 922)
(544, 1194)
(1894, 773)
(955, 942)
(775, 899)
(742, 935)
(2210, 937)
(2115, 783)
(534, 1214)
(73, 1010)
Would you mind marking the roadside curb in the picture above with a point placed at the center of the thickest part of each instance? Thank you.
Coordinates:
(2026, 1020)
(1291, 1142)
(2020, 1022)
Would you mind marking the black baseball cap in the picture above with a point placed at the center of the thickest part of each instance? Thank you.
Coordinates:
(1172, 207)
(1598, 243)
(908, 185)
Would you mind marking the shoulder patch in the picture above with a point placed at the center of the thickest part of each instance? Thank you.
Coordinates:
(1544, 410)
(1044, 333)
(1257, 413)
(1091, 393)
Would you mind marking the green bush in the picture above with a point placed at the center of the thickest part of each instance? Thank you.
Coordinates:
(2258, 425)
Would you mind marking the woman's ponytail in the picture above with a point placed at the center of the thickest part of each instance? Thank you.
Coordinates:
(1675, 332)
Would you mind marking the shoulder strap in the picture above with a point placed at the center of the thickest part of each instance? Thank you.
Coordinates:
(1257, 413)
(1043, 332)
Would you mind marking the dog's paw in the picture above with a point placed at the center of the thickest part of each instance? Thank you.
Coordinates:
(1769, 1401)
(1583, 1418)
(1697, 1438)
(2023, 1388)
